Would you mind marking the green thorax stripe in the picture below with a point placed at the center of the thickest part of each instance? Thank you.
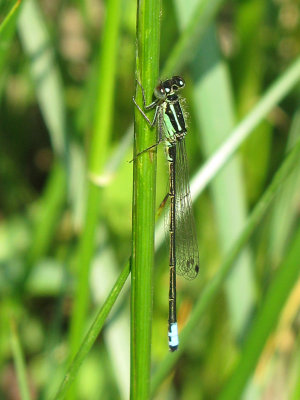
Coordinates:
(174, 119)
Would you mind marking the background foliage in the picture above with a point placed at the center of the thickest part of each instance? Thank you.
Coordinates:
(66, 82)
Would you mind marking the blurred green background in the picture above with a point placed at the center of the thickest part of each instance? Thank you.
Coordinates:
(56, 95)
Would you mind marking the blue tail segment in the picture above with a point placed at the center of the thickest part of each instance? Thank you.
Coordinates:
(173, 336)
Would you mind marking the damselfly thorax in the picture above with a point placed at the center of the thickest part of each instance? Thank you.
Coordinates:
(175, 128)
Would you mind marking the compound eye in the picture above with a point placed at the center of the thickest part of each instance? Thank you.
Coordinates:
(168, 86)
(160, 92)
(178, 81)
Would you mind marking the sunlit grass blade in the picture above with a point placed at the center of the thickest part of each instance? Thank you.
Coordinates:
(143, 206)
(213, 95)
(19, 362)
(92, 334)
(215, 285)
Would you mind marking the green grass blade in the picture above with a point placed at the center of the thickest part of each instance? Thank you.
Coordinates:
(265, 321)
(143, 211)
(7, 29)
(213, 288)
(7, 25)
(215, 117)
(92, 334)
(98, 153)
(19, 362)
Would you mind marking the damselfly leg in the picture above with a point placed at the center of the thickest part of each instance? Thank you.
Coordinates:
(150, 123)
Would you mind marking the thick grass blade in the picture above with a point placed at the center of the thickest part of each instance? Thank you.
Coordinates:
(215, 115)
(265, 321)
(214, 287)
(143, 210)
(92, 334)
(19, 363)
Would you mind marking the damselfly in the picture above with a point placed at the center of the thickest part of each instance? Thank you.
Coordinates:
(184, 254)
